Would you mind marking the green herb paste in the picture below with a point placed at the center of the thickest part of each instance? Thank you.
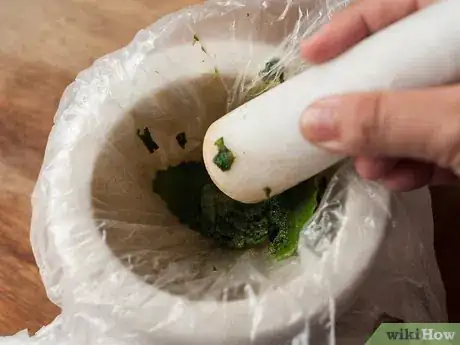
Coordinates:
(192, 197)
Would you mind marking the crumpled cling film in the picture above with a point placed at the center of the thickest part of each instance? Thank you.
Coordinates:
(125, 271)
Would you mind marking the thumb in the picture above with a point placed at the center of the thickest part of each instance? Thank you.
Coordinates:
(422, 125)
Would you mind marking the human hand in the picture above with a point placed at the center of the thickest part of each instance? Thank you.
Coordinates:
(406, 139)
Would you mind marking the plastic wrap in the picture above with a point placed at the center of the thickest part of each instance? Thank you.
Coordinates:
(125, 271)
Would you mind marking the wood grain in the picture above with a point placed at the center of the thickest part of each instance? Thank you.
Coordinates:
(44, 44)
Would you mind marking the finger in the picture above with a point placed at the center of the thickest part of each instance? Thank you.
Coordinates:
(371, 168)
(408, 175)
(421, 125)
(354, 23)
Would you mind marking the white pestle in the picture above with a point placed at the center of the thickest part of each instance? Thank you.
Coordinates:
(421, 50)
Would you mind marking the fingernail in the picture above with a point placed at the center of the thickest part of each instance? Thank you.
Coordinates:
(319, 124)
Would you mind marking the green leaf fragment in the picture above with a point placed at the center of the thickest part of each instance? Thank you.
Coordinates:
(181, 139)
(273, 71)
(271, 76)
(147, 140)
(224, 158)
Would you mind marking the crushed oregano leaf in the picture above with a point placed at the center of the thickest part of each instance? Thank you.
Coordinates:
(181, 139)
(147, 140)
(271, 76)
(224, 158)
(273, 71)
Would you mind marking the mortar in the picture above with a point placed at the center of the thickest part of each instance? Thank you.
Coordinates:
(120, 251)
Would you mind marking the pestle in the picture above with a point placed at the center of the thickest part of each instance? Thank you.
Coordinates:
(263, 135)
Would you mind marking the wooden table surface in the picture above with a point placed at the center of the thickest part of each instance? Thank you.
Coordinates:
(43, 45)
